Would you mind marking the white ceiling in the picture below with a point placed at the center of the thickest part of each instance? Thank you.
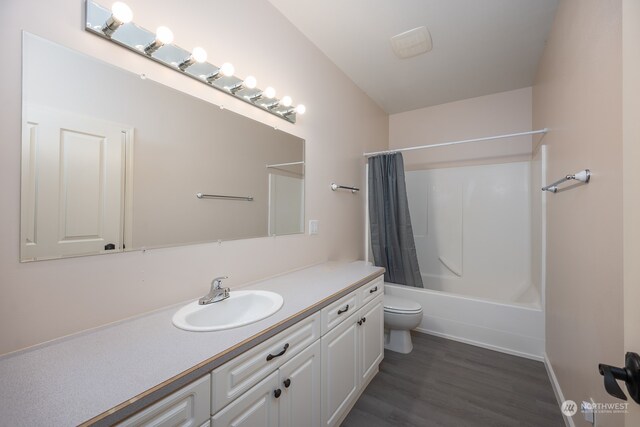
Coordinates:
(479, 46)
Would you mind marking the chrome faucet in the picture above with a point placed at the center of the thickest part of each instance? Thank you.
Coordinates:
(216, 293)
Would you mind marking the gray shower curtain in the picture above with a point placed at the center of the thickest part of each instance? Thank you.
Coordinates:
(391, 233)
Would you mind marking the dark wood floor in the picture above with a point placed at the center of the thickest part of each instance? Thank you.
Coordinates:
(447, 383)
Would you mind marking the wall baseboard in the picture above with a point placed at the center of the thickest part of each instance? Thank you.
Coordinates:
(568, 421)
(481, 344)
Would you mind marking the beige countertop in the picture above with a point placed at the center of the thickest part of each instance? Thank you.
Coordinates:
(105, 375)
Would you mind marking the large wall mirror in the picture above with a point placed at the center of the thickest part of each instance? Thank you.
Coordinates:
(113, 162)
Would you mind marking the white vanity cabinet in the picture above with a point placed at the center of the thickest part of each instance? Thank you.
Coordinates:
(322, 365)
(288, 397)
(237, 376)
(351, 353)
(308, 375)
(174, 377)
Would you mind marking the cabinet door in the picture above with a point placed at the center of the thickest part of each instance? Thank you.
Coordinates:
(371, 339)
(300, 384)
(340, 375)
(258, 407)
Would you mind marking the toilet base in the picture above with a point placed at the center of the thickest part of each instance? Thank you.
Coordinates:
(398, 340)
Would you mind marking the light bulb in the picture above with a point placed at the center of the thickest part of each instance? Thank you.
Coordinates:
(250, 82)
(121, 12)
(286, 101)
(300, 109)
(227, 69)
(269, 92)
(164, 35)
(199, 54)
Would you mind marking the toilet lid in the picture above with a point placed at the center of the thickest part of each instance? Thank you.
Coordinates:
(394, 304)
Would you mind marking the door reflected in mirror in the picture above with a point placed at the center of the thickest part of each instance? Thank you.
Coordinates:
(112, 162)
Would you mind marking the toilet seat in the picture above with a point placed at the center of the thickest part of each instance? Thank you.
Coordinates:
(397, 305)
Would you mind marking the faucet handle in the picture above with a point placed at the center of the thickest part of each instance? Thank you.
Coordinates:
(217, 282)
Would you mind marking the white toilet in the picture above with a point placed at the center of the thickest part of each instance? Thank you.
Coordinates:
(400, 316)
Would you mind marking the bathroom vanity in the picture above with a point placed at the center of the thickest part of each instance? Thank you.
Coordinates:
(305, 365)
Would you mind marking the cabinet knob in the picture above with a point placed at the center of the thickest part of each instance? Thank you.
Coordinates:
(360, 322)
(364, 319)
(287, 382)
(277, 393)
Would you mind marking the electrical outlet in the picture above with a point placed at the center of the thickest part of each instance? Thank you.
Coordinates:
(587, 409)
(314, 225)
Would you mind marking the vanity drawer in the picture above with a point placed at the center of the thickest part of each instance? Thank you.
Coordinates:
(187, 407)
(241, 373)
(371, 290)
(337, 312)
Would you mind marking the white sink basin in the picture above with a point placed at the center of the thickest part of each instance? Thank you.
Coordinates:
(241, 308)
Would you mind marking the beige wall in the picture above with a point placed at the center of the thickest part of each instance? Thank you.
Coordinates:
(48, 299)
(578, 95)
(631, 183)
(500, 113)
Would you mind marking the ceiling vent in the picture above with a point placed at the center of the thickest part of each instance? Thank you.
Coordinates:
(411, 43)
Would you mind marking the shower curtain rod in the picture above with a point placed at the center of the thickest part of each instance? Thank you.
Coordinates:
(444, 144)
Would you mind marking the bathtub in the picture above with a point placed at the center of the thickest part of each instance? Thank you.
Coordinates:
(513, 328)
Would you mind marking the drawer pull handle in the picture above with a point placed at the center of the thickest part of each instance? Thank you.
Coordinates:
(344, 310)
(372, 290)
(273, 356)
(287, 382)
(277, 393)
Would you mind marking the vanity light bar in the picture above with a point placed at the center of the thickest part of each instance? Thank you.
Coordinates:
(116, 24)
